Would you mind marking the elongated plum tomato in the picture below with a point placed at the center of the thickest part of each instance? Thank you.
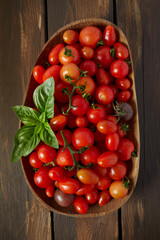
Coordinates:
(57, 173)
(81, 121)
(58, 122)
(53, 56)
(107, 159)
(119, 69)
(85, 188)
(69, 185)
(41, 178)
(112, 141)
(96, 113)
(103, 57)
(68, 135)
(38, 72)
(80, 204)
(87, 53)
(69, 54)
(85, 85)
(102, 76)
(89, 66)
(125, 149)
(118, 190)
(82, 137)
(59, 96)
(104, 94)
(106, 127)
(63, 199)
(69, 72)
(90, 155)
(70, 36)
(64, 158)
(104, 183)
(81, 105)
(46, 153)
(118, 171)
(92, 196)
(109, 36)
(89, 36)
(121, 51)
(34, 160)
(87, 176)
(52, 71)
(104, 197)
(50, 191)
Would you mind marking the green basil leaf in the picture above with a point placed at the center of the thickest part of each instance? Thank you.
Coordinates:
(43, 97)
(42, 117)
(27, 115)
(48, 136)
(38, 128)
(25, 142)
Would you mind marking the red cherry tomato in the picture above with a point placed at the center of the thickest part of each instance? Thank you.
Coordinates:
(104, 183)
(96, 113)
(50, 191)
(106, 127)
(70, 36)
(59, 96)
(69, 185)
(102, 76)
(104, 94)
(81, 105)
(125, 149)
(34, 160)
(112, 141)
(69, 54)
(38, 72)
(57, 173)
(69, 70)
(120, 131)
(104, 197)
(119, 69)
(89, 36)
(52, 71)
(53, 56)
(46, 153)
(85, 188)
(115, 89)
(107, 159)
(89, 66)
(121, 51)
(112, 118)
(68, 135)
(64, 158)
(123, 83)
(88, 83)
(118, 171)
(118, 190)
(58, 122)
(81, 205)
(87, 176)
(92, 196)
(124, 96)
(101, 171)
(109, 36)
(90, 155)
(41, 178)
(81, 121)
(103, 57)
(71, 117)
(87, 53)
(82, 137)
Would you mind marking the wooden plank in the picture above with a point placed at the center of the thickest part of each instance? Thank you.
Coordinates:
(67, 228)
(21, 38)
(139, 20)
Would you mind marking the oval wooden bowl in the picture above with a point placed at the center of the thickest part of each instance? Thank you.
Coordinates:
(133, 165)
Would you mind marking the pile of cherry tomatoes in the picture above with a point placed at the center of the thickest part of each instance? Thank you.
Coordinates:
(91, 120)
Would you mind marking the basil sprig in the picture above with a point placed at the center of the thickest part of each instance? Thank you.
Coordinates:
(36, 126)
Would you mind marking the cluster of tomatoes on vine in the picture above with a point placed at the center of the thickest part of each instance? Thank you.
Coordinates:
(91, 107)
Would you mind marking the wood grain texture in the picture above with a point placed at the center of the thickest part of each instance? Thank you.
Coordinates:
(138, 19)
(21, 38)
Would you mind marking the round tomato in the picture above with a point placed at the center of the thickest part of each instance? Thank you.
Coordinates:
(92, 196)
(87, 176)
(90, 155)
(121, 51)
(125, 149)
(87, 53)
(85, 188)
(52, 71)
(68, 135)
(69, 185)
(103, 57)
(107, 159)
(123, 83)
(34, 160)
(106, 127)
(46, 153)
(41, 178)
(59, 96)
(109, 36)
(104, 94)
(82, 137)
(69, 54)
(89, 36)
(89, 66)
(53, 56)
(112, 118)
(118, 190)
(69, 72)
(81, 121)
(102, 76)
(81, 105)
(70, 36)
(58, 122)
(96, 113)
(124, 96)
(118, 171)
(57, 173)
(104, 197)
(119, 69)
(50, 191)
(64, 158)
(80, 204)
(104, 183)
(112, 141)
(38, 72)
(85, 85)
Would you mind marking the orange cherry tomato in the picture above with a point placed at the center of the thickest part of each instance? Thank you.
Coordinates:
(118, 190)
(87, 176)
(69, 54)
(70, 36)
(69, 72)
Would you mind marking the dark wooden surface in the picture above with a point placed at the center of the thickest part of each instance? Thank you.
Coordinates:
(25, 25)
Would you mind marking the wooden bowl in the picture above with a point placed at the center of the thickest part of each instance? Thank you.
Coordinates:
(132, 165)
